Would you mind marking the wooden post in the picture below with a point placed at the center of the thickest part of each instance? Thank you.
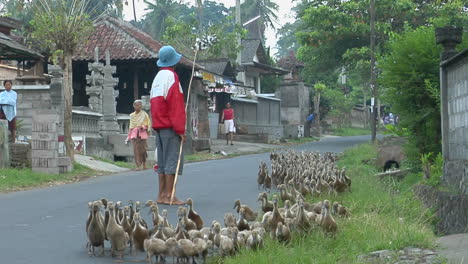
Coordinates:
(135, 86)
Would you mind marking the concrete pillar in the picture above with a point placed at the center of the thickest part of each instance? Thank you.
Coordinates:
(4, 146)
(109, 95)
(56, 94)
(94, 88)
(44, 142)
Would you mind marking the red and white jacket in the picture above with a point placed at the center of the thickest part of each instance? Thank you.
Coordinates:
(167, 102)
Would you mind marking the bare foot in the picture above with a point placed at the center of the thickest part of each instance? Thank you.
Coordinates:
(160, 199)
(175, 202)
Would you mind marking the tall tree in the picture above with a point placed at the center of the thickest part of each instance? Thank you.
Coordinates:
(96, 8)
(319, 89)
(213, 13)
(182, 35)
(410, 82)
(330, 29)
(266, 9)
(159, 11)
(287, 38)
(62, 25)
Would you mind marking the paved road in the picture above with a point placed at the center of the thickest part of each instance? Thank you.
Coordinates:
(46, 226)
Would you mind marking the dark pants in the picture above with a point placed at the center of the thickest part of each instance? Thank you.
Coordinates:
(139, 150)
(11, 124)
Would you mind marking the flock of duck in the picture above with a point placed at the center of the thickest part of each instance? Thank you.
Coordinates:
(296, 175)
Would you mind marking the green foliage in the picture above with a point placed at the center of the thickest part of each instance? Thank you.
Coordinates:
(160, 11)
(452, 13)
(61, 25)
(350, 131)
(266, 9)
(337, 104)
(426, 164)
(17, 9)
(335, 34)
(182, 36)
(432, 168)
(396, 131)
(331, 28)
(410, 81)
(412, 61)
(436, 169)
(320, 87)
(97, 8)
(287, 39)
(18, 179)
(385, 215)
(270, 83)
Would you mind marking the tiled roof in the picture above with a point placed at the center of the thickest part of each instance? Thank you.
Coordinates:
(252, 48)
(218, 66)
(9, 22)
(290, 62)
(249, 49)
(123, 40)
(12, 50)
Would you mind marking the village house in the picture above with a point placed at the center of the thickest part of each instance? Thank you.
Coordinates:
(103, 93)
(134, 55)
(257, 114)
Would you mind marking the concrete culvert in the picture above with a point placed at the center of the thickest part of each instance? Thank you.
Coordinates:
(390, 164)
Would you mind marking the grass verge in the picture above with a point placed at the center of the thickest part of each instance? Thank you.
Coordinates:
(20, 179)
(299, 141)
(385, 215)
(350, 131)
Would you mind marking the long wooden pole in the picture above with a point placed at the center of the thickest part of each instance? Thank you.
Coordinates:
(375, 110)
(182, 142)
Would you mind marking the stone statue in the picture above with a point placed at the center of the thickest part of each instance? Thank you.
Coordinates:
(95, 83)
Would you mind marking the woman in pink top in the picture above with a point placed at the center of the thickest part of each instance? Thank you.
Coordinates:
(138, 134)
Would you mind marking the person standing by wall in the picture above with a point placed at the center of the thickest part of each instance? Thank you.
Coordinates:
(228, 118)
(8, 108)
(169, 120)
(138, 134)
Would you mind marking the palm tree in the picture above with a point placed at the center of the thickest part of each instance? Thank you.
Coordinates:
(98, 7)
(266, 9)
(159, 12)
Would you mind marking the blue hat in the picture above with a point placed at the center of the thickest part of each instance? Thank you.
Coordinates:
(168, 57)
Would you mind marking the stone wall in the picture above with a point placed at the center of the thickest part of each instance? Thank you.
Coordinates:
(31, 98)
(451, 209)
(455, 122)
(261, 116)
(273, 132)
(359, 118)
(44, 143)
(295, 106)
(20, 155)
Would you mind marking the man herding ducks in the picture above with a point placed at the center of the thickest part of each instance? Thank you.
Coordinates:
(297, 176)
